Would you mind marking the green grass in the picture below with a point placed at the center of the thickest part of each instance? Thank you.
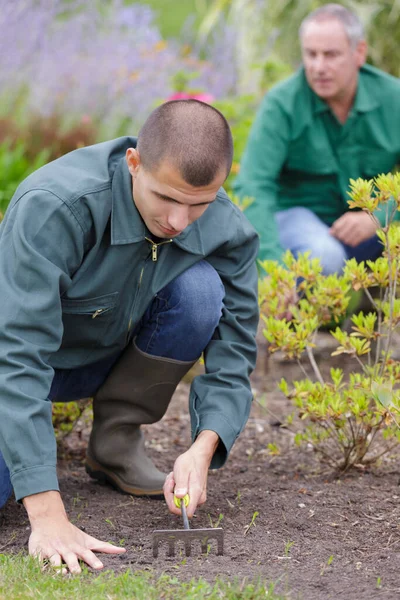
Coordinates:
(171, 15)
(21, 578)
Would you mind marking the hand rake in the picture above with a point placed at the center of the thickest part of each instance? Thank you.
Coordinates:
(187, 535)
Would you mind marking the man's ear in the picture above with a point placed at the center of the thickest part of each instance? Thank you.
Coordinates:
(361, 53)
(133, 161)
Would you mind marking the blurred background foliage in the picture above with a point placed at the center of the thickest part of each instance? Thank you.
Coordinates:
(75, 72)
(268, 29)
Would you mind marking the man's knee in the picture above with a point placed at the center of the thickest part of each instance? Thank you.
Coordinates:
(301, 230)
(199, 294)
(330, 252)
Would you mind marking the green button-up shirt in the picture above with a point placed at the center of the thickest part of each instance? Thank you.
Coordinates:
(73, 247)
(299, 154)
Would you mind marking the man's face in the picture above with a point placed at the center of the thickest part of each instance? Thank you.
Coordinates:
(166, 203)
(331, 63)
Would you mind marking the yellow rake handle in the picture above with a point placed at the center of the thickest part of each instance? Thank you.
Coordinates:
(178, 501)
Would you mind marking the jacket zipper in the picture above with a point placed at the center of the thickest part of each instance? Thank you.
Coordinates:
(154, 247)
(134, 300)
(154, 257)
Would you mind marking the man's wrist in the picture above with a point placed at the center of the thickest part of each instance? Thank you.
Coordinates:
(206, 443)
(44, 505)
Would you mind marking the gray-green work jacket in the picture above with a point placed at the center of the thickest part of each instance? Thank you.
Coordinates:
(72, 247)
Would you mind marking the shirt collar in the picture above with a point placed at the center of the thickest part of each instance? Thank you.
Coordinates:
(128, 227)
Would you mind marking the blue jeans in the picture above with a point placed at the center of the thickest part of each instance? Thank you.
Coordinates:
(178, 324)
(300, 230)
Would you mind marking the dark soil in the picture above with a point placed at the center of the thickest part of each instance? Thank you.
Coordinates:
(321, 536)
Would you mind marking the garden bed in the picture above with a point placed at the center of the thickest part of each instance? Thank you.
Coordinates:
(285, 517)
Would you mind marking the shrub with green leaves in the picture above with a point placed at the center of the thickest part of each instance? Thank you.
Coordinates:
(14, 167)
(354, 422)
(65, 415)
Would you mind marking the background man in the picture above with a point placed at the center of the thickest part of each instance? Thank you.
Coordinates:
(333, 120)
(116, 274)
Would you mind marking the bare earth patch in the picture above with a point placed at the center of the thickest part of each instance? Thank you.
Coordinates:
(320, 536)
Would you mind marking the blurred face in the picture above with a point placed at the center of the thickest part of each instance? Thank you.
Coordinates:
(166, 203)
(331, 63)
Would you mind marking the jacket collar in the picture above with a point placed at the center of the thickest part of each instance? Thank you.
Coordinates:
(128, 227)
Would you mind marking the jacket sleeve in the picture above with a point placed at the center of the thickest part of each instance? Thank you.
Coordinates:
(220, 400)
(41, 245)
(261, 164)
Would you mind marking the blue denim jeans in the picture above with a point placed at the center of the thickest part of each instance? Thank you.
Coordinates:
(178, 324)
(300, 230)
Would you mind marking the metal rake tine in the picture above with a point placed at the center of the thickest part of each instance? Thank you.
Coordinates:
(220, 542)
(171, 550)
(187, 535)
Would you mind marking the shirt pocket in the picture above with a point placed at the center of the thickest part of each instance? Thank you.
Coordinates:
(376, 162)
(88, 322)
(305, 160)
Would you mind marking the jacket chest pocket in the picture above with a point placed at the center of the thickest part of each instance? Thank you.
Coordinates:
(88, 322)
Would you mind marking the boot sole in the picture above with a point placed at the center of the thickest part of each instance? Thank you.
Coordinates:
(98, 472)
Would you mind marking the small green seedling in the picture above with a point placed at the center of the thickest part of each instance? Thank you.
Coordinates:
(328, 563)
(273, 450)
(288, 547)
(217, 522)
(252, 522)
(110, 523)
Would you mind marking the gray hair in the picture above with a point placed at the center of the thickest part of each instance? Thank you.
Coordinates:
(351, 23)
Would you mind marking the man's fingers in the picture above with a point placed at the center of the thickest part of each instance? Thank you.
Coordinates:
(181, 482)
(37, 554)
(71, 560)
(195, 492)
(181, 479)
(353, 228)
(56, 562)
(203, 497)
(169, 487)
(169, 484)
(90, 559)
(105, 547)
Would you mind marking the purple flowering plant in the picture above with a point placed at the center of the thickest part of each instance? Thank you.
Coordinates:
(102, 62)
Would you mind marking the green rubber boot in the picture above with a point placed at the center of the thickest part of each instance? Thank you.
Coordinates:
(137, 391)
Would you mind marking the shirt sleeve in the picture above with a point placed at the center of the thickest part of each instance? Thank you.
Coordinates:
(220, 400)
(41, 245)
(262, 162)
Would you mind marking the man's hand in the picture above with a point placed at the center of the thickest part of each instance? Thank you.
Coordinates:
(55, 539)
(352, 228)
(190, 473)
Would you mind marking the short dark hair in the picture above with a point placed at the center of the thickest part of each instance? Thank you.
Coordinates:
(194, 136)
